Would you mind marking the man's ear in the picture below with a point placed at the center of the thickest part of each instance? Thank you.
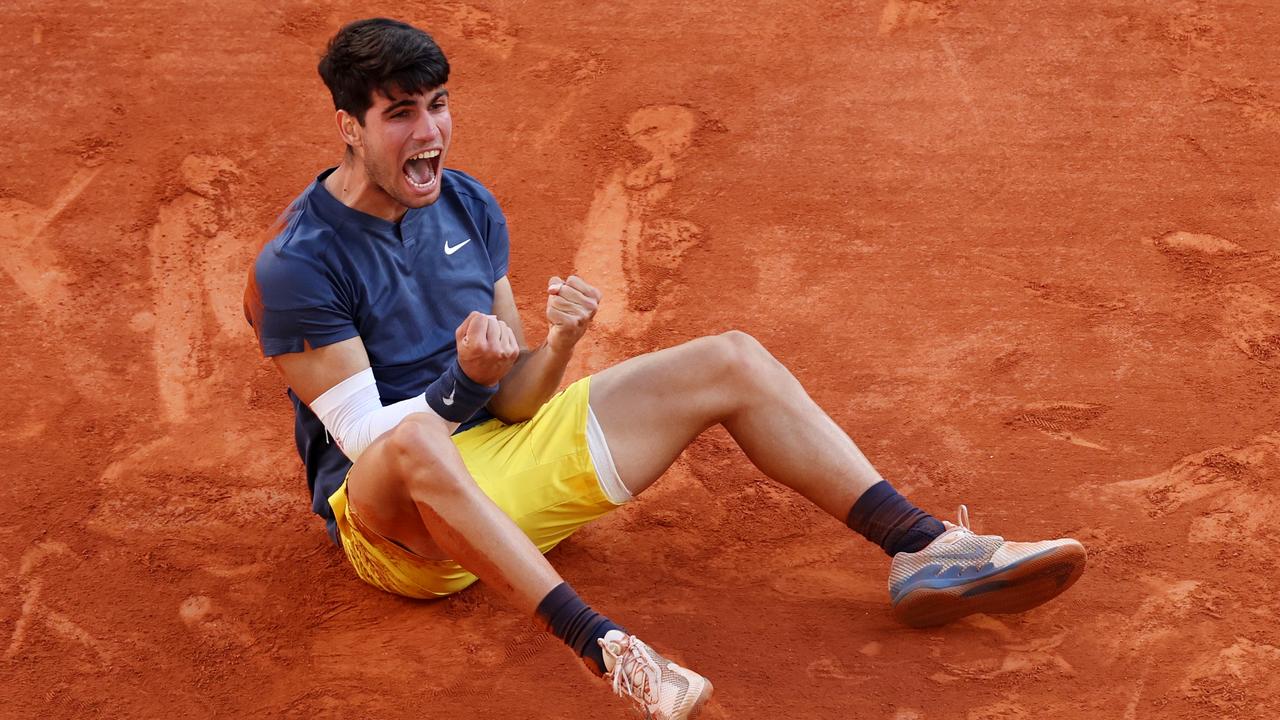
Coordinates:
(349, 129)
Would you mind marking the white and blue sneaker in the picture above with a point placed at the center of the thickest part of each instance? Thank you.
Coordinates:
(961, 573)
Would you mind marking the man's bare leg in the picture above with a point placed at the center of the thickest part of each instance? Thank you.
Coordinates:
(412, 486)
(651, 407)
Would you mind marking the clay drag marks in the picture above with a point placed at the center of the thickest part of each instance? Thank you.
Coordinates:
(186, 507)
(1191, 642)
(1187, 556)
(1206, 645)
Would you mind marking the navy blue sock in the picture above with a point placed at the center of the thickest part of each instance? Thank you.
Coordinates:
(574, 622)
(889, 520)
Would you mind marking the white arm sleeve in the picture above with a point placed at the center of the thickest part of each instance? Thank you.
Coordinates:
(354, 415)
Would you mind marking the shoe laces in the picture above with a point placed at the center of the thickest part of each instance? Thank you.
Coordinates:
(635, 672)
(961, 529)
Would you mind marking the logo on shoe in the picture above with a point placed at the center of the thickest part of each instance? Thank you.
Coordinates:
(973, 553)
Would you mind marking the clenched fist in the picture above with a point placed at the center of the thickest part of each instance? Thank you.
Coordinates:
(487, 348)
(571, 304)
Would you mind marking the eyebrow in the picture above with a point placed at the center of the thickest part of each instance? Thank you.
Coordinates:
(410, 102)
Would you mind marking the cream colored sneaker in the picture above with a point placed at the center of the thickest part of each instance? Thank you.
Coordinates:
(660, 688)
(961, 573)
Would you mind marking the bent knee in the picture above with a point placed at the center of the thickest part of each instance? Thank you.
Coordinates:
(423, 455)
(419, 435)
(742, 343)
(739, 355)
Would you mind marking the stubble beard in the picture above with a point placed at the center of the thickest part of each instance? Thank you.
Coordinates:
(383, 179)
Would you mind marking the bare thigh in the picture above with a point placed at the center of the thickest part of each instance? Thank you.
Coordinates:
(652, 406)
(379, 494)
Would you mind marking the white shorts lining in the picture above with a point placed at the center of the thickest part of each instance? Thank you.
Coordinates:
(602, 459)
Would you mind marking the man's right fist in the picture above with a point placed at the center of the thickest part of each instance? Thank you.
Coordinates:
(487, 348)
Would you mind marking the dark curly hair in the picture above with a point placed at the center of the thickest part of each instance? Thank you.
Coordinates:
(380, 55)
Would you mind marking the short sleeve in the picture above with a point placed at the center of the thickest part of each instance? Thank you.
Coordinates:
(496, 239)
(483, 209)
(294, 302)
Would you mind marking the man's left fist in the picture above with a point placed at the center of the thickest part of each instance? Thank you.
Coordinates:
(570, 306)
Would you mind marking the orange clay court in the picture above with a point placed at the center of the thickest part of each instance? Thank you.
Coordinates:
(1025, 254)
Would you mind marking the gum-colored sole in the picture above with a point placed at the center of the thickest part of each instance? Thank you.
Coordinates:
(1030, 583)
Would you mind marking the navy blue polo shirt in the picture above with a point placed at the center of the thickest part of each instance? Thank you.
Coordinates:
(334, 273)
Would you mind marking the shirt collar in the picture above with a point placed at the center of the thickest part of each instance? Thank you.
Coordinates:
(337, 213)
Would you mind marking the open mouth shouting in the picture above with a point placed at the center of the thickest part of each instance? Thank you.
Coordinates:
(422, 171)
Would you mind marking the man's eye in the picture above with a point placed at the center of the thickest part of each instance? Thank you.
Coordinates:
(437, 106)
(400, 114)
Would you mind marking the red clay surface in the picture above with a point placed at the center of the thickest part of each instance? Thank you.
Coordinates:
(1025, 253)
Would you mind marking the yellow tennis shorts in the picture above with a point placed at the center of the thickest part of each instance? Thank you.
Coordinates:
(540, 472)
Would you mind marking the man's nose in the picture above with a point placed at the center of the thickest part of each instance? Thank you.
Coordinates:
(426, 129)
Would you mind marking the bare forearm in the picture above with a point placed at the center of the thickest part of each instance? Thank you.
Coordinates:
(571, 304)
(532, 382)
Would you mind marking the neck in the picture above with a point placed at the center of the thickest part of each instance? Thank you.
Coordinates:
(353, 188)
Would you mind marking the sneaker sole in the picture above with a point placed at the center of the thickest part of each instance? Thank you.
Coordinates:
(1017, 588)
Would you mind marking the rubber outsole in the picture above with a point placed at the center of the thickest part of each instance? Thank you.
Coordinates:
(1019, 588)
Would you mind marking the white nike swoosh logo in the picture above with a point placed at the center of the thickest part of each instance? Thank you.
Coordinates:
(448, 399)
(451, 249)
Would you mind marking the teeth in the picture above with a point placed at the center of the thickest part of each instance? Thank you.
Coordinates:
(425, 155)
